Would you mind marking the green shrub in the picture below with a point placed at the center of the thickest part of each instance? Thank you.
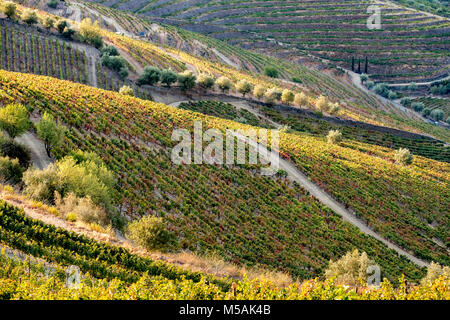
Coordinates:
(271, 72)
(417, 106)
(150, 76)
(205, 81)
(85, 178)
(426, 112)
(10, 170)
(50, 132)
(437, 114)
(412, 86)
(406, 102)
(391, 95)
(403, 156)
(110, 51)
(186, 79)
(364, 77)
(243, 87)
(52, 4)
(127, 90)
(350, 270)
(150, 233)
(9, 9)
(168, 77)
(14, 120)
(29, 16)
(334, 137)
(115, 63)
(370, 84)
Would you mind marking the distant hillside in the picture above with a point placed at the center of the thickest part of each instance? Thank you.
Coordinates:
(410, 46)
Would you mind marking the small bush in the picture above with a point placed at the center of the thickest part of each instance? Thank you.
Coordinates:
(437, 114)
(435, 270)
(271, 72)
(403, 156)
(426, 112)
(391, 95)
(417, 106)
(406, 102)
(29, 16)
(224, 84)
(10, 170)
(186, 79)
(300, 99)
(369, 84)
(71, 217)
(150, 233)
(272, 95)
(48, 22)
(259, 91)
(412, 86)
(52, 4)
(205, 81)
(168, 77)
(244, 87)
(110, 51)
(14, 120)
(127, 90)
(334, 137)
(448, 120)
(350, 270)
(287, 96)
(9, 9)
(364, 77)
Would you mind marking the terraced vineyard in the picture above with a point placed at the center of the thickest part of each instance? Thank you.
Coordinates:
(137, 278)
(24, 51)
(436, 103)
(410, 46)
(310, 123)
(245, 218)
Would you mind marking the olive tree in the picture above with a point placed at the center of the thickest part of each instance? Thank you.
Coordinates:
(14, 119)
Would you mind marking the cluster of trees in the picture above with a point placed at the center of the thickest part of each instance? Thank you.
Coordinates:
(79, 184)
(111, 59)
(435, 114)
(187, 80)
(88, 32)
(353, 270)
(382, 89)
(14, 121)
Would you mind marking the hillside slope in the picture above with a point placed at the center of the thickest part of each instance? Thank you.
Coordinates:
(410, 46)
(280, 225)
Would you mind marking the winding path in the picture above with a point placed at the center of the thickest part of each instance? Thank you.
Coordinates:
(39, 156)
(294, 174)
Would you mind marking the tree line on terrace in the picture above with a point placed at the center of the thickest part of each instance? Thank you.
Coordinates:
(187, 80)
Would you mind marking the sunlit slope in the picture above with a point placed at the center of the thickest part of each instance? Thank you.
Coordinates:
(241, 215)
